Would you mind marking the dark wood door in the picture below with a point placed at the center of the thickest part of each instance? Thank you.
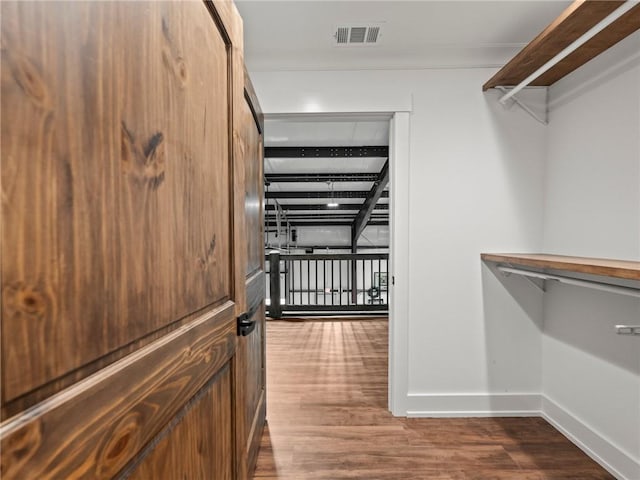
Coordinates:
(250, 357)
(120, 260)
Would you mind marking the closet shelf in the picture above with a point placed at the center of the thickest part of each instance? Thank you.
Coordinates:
(575, 21)
(623, 269)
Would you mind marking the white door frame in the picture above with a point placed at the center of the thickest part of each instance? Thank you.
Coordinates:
(399, 260)
(399, 240)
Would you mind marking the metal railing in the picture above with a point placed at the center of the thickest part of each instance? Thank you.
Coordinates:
(327, 283)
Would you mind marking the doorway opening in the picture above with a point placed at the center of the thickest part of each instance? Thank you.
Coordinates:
(327, 216)
(328, 213)
(396, 328)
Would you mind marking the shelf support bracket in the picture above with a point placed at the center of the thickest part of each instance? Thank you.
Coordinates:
(619, 289)
(539, 282)
(544, 118)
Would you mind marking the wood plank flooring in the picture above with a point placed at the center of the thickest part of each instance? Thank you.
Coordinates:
(328, 419)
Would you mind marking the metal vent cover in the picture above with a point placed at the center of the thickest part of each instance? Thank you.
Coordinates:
(357, 35)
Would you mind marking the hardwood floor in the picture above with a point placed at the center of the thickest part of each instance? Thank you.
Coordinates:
(328, 419)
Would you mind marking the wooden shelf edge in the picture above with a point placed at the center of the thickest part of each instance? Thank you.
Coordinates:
(576, 20)
(625, 269)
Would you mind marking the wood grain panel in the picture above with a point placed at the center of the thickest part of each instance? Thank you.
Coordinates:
(239, 149)
(577, 19)
(200, 446)
(250, 391)
(94, 428)
(253, 102)
(254, 185)
(250, 359)
(595, 266)
(115, 178)
(23, 402)
(619, 30)
(256, 286)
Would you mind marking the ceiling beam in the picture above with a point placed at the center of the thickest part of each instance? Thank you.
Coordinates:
(326, 152)
(576, 20)
(320, 177)
(322, 206)
(316, 217)
(364, 215)
(337, 194)
(339, 247)
(324, 216)
(326, 213)
(326, 223)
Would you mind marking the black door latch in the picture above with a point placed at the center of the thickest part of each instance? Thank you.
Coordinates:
(245, 324)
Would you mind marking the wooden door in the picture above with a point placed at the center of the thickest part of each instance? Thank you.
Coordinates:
(250, 358)
(119, 276)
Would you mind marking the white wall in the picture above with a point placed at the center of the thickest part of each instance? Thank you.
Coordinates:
(481, 178)
(591, 376)
(475, 184)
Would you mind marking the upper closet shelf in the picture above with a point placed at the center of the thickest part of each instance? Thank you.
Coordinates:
(584, 30)
(594, 266)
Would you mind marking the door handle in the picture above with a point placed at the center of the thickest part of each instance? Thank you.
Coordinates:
(245, 324)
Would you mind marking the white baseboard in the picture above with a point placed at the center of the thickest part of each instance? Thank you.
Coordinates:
(473, 405)
(617, 462)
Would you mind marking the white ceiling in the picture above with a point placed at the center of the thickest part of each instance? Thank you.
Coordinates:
(314, 131)
(323, 165)
(346, 132)
(329, 132)
(297, 35)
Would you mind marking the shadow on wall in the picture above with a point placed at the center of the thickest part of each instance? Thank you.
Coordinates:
(518, 140)
(513, 317)
(580, 317)
(587, 81)
(586, 320)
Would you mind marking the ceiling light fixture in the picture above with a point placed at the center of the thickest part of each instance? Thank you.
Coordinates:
(332, 201)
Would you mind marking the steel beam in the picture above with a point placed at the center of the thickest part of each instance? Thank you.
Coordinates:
(320, 217)
(326, 152)
(320, 177)
(326, 223)
(340, 247)
(376, 192)
(311, 216)
(322, 206)
(337, 194)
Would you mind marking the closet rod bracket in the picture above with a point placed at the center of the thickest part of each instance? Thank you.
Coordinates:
(539, 282)
(542, 117)
(611, 288)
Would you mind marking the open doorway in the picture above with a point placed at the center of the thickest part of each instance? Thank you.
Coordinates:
(323, 378)
(397, 113)
(327, 245)
(327, 215)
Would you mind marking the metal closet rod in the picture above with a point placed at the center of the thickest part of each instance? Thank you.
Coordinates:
(592, 32)
(630, 291)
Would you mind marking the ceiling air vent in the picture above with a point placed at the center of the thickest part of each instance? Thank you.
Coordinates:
(342, 35)
(372, 34)
(357, 35)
